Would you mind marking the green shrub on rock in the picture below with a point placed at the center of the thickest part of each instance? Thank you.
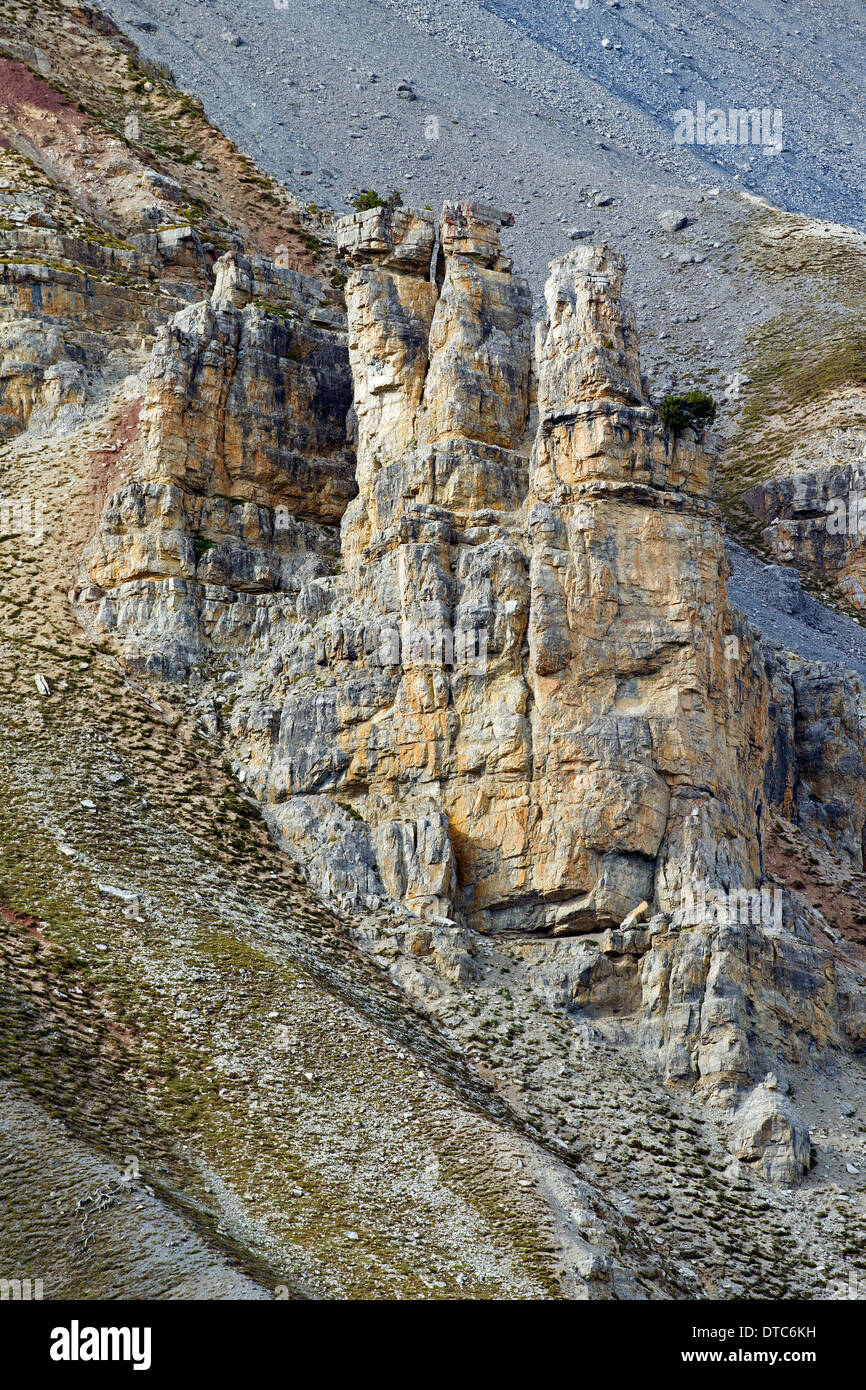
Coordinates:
(693, 410)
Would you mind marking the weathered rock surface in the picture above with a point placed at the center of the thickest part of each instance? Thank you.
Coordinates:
(604, 838)
(530, 635)
(767, 1130)
(830, 734)
(635, 705)
(816, 520)
(451, 605)
(244, 467)
(522, 702)
(71, 295)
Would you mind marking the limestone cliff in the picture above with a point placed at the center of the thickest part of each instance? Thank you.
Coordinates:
(429, 595)
(244, 470)
(522, 702)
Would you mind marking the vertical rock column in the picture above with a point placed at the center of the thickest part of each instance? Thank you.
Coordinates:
(644, 779)
(390, 299)
(474, 427)
(441, 371)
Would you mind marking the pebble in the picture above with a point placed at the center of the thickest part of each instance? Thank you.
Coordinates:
(672, 221)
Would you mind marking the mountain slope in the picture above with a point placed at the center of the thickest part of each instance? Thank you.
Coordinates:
(234, 839)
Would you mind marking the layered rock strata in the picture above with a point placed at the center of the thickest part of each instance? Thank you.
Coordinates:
(529, 702)
(816, 520)
(512, 696)
(245, 470)
(524, 701)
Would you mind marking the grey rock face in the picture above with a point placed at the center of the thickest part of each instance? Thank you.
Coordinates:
(767, 1131)
(816, 518)
(672, 221)
(245, 467)
(522, 701)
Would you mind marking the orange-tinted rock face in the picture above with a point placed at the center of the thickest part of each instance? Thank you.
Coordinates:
(638, 729)
(519, 684)
(523, 700)
(244, 469)
(252, 406)
(453, 606)
(484, 673)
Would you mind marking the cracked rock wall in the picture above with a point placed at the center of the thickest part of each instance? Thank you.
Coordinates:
(245, 470)
(511, 694)
(519, 684)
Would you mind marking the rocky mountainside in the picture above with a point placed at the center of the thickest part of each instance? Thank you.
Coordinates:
(420, 876)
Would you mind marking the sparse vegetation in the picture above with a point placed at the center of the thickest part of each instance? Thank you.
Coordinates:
(369, 198)
(693, 410)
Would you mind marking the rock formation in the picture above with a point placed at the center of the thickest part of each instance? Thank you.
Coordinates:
(816, 519)
(422, 604)
(526, 683)
(529, 703)
(522, 702)
(244, 471)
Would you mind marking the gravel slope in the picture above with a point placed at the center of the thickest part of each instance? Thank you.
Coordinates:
(774, 602)
(529, 103)
(532, 113)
